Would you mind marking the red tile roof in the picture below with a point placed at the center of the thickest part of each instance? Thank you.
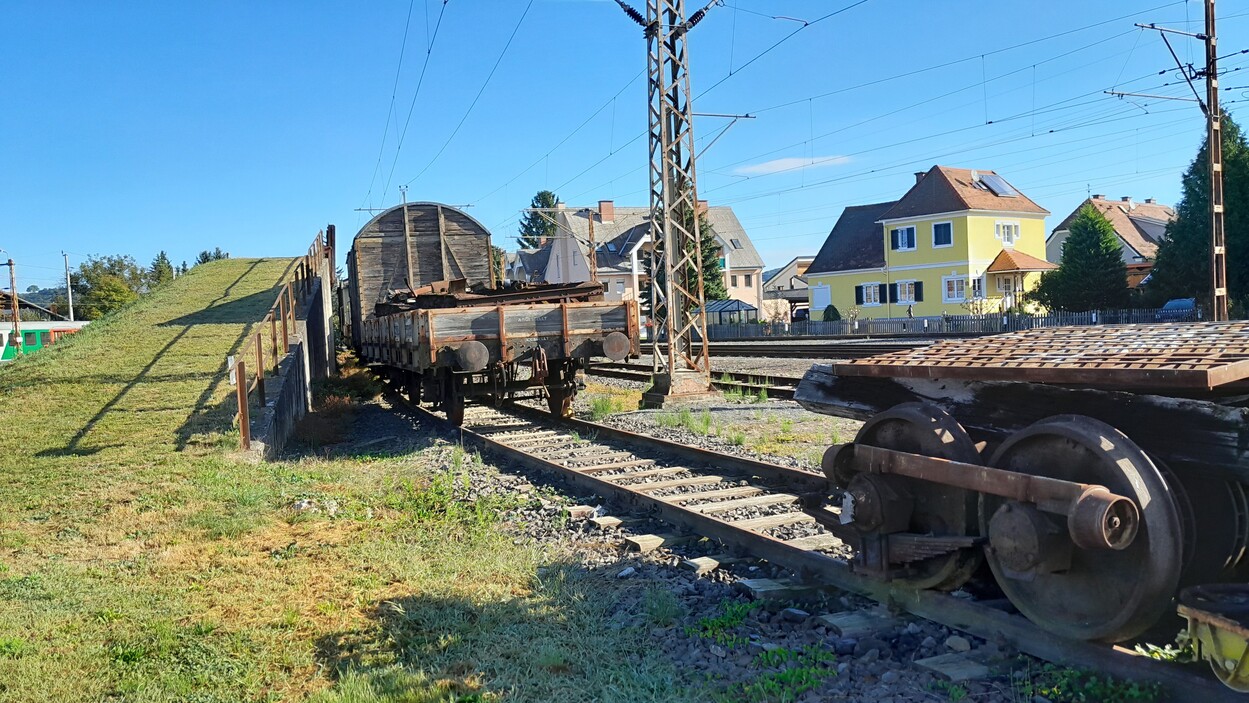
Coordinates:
(945, 189)
(1009, 260)
(1140, 225)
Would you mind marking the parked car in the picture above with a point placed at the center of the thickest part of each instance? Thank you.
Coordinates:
(1177, 310)
(802, 315)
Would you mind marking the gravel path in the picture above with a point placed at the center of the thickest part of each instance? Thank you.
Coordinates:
(738, 648)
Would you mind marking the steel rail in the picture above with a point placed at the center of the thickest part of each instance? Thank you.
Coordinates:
(1004, 629)
(815, 350)
(776, 386)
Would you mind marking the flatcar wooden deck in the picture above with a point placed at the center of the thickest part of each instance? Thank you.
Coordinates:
(1192, 355)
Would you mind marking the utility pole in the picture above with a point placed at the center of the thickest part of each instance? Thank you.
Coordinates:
(678, 316)
(69, 287)
(1214, 140)
(17, 325)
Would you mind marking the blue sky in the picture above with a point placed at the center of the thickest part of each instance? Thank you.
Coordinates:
(135, 127)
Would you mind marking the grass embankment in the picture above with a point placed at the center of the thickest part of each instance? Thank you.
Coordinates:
(140, 562)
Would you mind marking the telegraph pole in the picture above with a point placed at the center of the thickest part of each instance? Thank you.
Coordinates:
(69, 287)
(677, 313)
(17, 325)
(1214, 148)
(1214, 118)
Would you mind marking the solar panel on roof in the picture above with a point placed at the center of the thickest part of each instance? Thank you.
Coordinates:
(1000, 187)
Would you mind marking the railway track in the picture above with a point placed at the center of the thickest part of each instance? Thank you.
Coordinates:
(808, 350)
(766, 511)
(747, 383)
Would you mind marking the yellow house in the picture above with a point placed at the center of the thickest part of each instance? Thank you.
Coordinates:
(958, 241)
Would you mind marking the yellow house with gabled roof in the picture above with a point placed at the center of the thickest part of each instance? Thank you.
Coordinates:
(959, 239)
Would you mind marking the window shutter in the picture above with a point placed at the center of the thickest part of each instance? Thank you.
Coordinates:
(893, 239)
(893, 292)
(919, 291)
(883, 292)
(858, 295)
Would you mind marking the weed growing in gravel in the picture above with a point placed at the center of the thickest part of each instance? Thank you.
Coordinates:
(737, 438)
(792, 674)
(953, 692)
(719, 628)
(661, 606)
(602, 406)
(734, 394)
(1066, 685)
(761, 396)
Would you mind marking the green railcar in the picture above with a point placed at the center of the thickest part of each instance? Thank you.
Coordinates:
(32, 337)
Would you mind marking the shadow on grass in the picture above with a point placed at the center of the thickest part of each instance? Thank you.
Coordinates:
(214, 312)
(372, 431)
(551, 644)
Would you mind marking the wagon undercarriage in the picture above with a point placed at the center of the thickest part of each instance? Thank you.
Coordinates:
(1091, 506)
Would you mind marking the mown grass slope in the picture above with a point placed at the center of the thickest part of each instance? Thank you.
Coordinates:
(140, 561)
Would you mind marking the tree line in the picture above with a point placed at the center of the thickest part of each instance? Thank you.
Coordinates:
(104, 283)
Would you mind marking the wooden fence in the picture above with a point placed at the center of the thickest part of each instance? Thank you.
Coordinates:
(948, 324)
(278, 325)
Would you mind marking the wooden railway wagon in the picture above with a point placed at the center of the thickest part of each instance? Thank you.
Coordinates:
(1098, 471)
(421, 303)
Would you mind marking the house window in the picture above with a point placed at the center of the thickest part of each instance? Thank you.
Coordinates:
(732, 281)
(955, 289)
(1008, 232)
(902, 239)
(722, 264)
(747, 281)
(908, 292)
(867, 294)
(1005, 284)
(737, 243)
(942, 234)
(620, 287)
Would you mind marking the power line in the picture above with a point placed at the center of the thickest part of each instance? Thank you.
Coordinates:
(787, 37)
(429, 51)
(403, 47)
(570, 135)
(478, 96)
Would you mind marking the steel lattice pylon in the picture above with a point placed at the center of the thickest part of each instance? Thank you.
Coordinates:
(677, 311)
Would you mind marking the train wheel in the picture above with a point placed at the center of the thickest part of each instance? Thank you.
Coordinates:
(453, 399)
(559, 399)
(925, 429)
(1102, 594)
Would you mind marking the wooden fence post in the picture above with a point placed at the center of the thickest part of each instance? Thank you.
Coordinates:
(273, 338)
(240, 387)
(286, 333)
(260, 367)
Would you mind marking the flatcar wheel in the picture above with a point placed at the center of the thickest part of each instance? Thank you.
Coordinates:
(1103, 594)
(939, 510)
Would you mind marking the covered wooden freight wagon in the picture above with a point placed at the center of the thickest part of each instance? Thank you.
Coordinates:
(422, 304)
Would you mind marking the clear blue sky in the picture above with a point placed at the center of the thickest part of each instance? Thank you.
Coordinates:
(135, 127)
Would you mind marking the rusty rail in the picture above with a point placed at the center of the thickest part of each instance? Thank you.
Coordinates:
(280, 320)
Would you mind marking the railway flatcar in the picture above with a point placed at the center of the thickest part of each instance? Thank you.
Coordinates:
(422, 304)
(1097, 471)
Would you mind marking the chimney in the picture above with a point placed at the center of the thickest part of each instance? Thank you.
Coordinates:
(919, 176)
(1151, 201)
(606, 210)
(1098, 196)
(559, 205)
(701, 208)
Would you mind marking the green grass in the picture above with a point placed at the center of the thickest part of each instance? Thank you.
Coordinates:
(140, 560)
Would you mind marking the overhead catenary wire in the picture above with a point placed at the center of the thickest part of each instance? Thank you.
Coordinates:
(390, 110)
(429, 51)
(477, 97)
